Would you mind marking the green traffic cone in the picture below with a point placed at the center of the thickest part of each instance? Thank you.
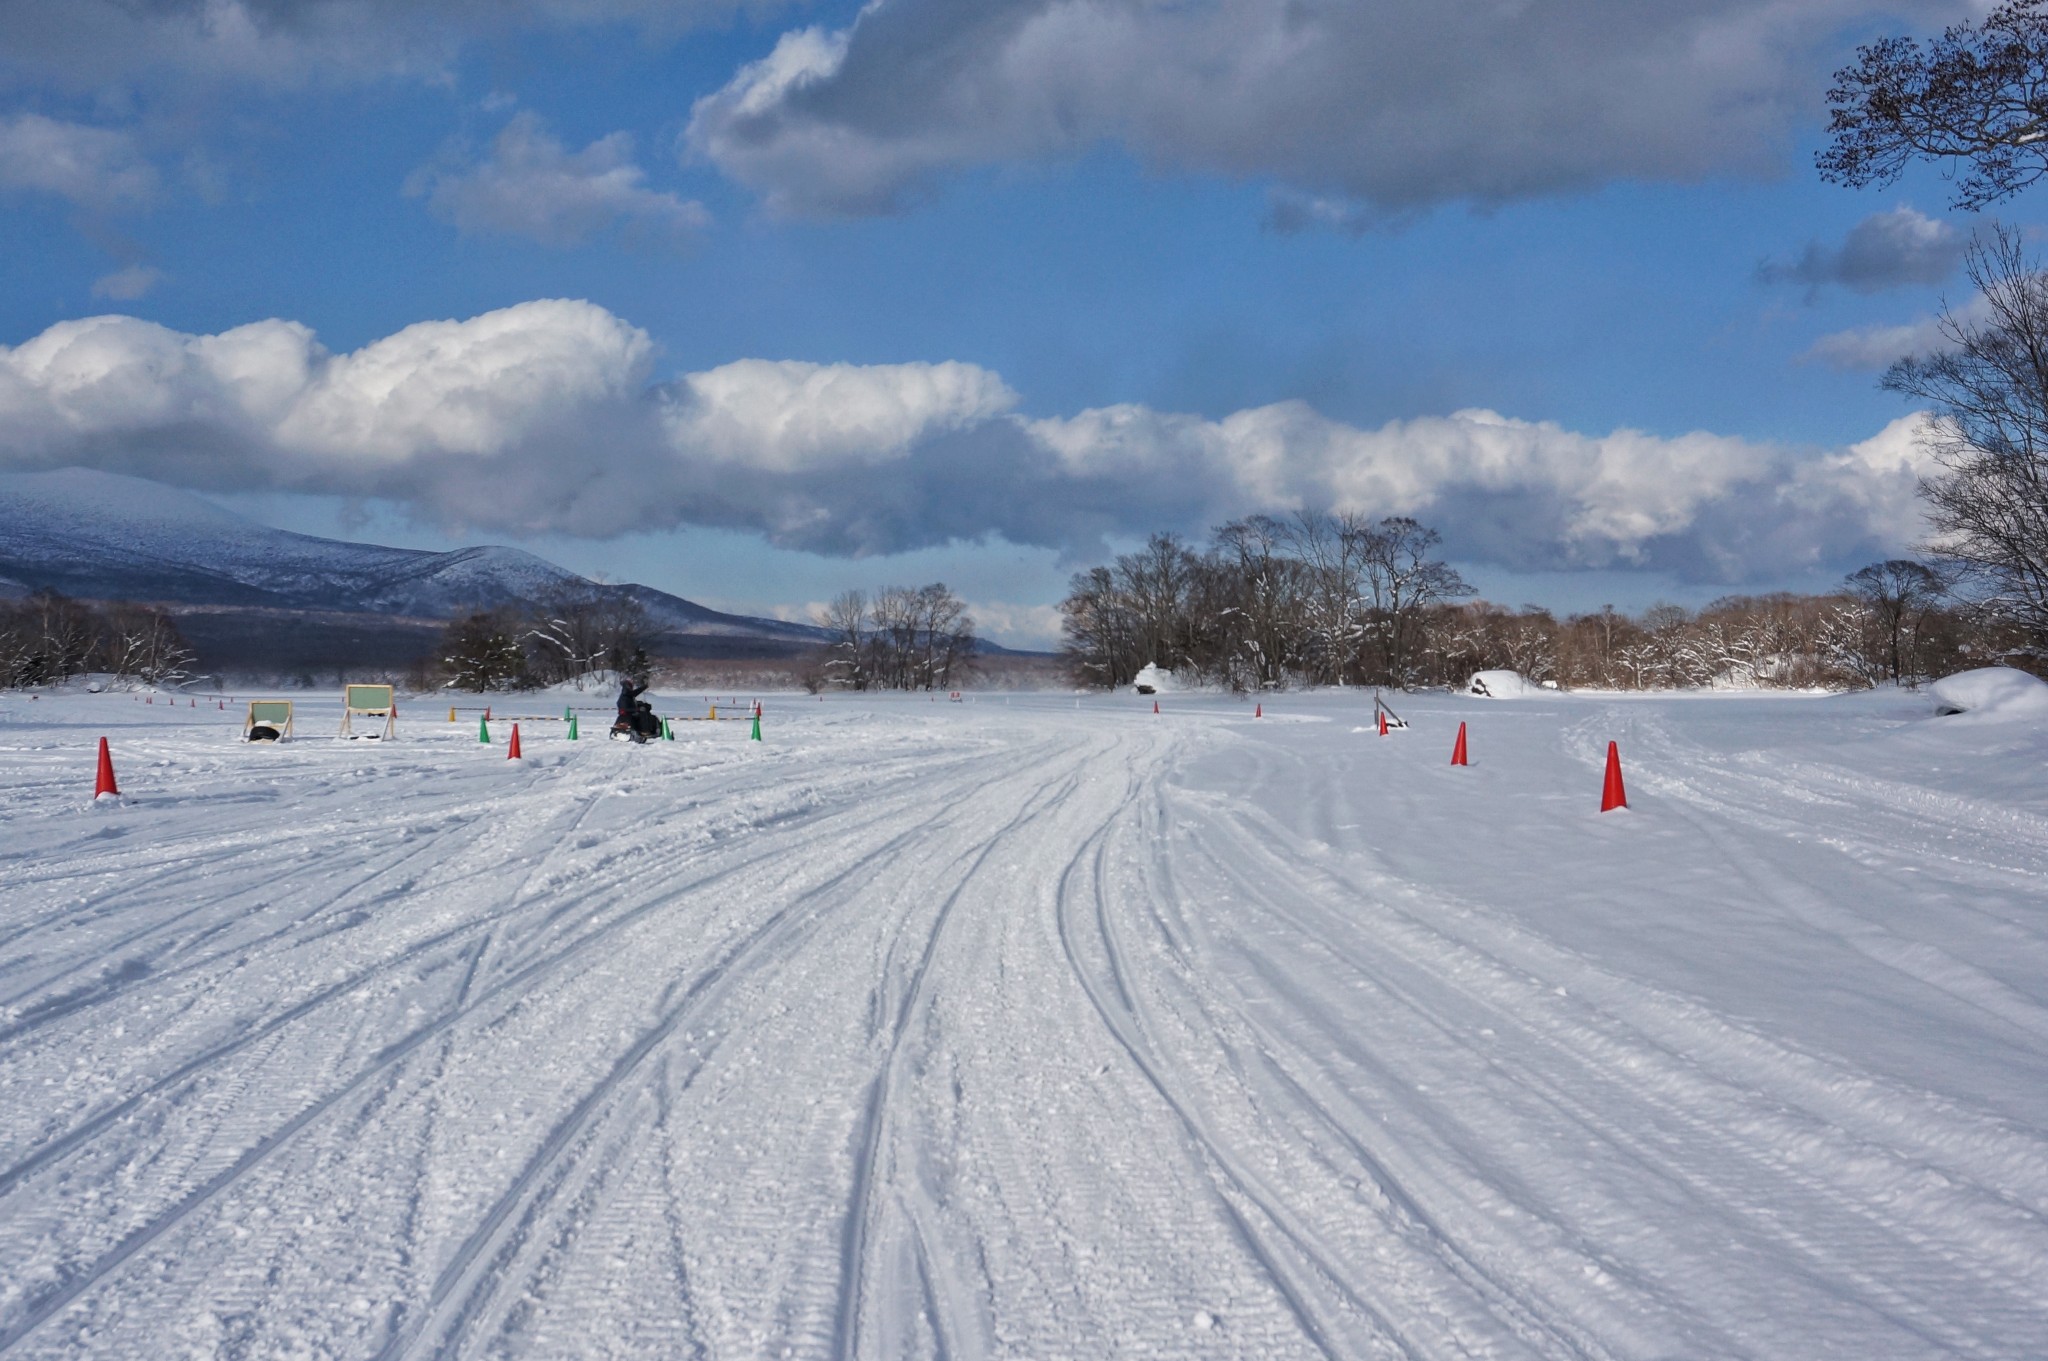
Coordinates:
(668, 734)
(569, 712)
(756, 734)
(572, 727)
(483, 730)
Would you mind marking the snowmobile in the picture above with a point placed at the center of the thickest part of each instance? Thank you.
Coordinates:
(640, 727)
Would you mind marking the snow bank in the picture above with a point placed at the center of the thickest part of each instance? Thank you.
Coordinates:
(1153, 680)
(1991, 690)
(1499, 685)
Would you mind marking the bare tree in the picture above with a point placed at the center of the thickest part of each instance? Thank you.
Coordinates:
(1100, 630)
(945, 637)
(901, 639)
(1897, 596)
(1403, 579)
(1989, 432)
(482, 653)
(1265, 620)
(1976, 98)
(143, 644)
(22, 662)
(1156, 583)
(67, 635)
(580, 628)
(1332, 549)
(846, 659)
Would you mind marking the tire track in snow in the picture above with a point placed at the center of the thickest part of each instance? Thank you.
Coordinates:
(861, 1212)
(482, 1260)
(1540, 1323)
(82, 1000)
(860, 815)
(1117, 1008)
(409, 957)
(1695, 1102)
(491, 1254)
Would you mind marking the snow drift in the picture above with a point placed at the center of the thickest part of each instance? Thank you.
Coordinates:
(1999, 690)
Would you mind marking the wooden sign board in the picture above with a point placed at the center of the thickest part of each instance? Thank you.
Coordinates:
(371, 701)
(272, 714)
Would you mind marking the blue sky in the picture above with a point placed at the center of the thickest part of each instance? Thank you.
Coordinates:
(973, 292)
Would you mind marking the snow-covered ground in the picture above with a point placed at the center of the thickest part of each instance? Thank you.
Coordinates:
(1029, 1027)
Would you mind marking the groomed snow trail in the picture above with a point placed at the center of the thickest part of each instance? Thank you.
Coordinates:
(1029, 1028)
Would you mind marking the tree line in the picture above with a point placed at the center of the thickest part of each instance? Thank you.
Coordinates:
(900, 638)
(1322, 599)
(47, 638)
(575, 631)
(1318, 599)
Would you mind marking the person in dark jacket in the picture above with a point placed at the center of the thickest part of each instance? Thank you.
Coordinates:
(628, 692)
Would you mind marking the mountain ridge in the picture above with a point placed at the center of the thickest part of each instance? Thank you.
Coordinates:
(107, 536)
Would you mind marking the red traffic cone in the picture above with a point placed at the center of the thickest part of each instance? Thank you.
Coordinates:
(1383, 723)
(1458, 750)
(1258, 711)
(512, 751)
(1155, 706)
(104, 785)
(1612, 795)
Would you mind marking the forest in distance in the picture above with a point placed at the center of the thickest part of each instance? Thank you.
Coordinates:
(1332, 599)
(1265, 607)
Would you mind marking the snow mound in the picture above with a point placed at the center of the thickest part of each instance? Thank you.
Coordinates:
(1153, 680)
(1499, 685)
(1991, 690)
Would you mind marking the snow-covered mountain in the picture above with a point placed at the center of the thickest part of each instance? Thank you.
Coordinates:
(103, 536)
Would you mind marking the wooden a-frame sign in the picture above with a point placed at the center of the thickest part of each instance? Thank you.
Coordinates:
(370, 701)
(275, 714)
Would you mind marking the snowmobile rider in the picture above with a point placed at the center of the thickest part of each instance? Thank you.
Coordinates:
(628, 692)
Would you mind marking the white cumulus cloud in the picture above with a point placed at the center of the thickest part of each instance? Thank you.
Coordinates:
(528, 184)
(548, 417)
(787, 416)
(90, 166)
(128, 283)
(1879, 347)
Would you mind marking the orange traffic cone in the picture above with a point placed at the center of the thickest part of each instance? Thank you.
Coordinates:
(104, 785)
(1458, 751)
(512, 751)
(1383, 723)
(1612, 795)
